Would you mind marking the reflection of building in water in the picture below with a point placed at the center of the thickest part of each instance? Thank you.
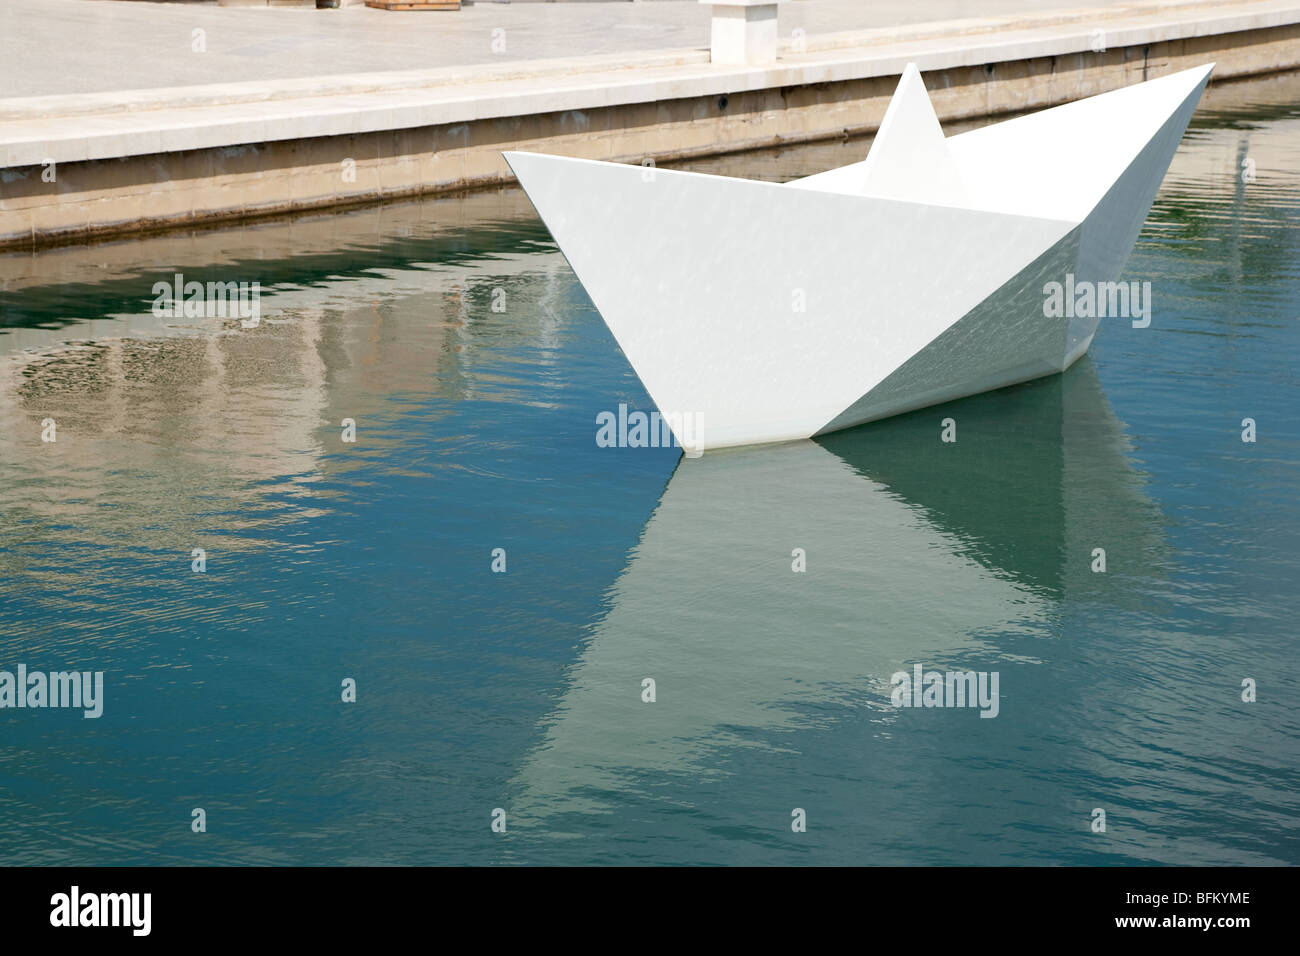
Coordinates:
(917, 551)
(156, 416)
(146, 428)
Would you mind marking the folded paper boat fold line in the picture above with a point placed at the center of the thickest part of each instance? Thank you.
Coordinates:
(766, 312)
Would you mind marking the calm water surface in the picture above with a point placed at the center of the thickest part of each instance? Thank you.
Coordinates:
(522, 690)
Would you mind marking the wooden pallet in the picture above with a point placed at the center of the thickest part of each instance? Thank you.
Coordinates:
(414, 4)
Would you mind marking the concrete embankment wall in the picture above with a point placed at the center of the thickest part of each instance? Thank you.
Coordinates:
(251, 152)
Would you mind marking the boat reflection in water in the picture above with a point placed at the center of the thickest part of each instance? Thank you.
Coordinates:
(917, 551)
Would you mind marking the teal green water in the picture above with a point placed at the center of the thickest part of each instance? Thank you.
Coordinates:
(522, 690)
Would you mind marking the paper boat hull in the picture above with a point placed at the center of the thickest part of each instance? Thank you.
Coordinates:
(767, 312)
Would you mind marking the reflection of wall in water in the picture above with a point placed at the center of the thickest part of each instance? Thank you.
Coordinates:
(195, 410)
(151, 429)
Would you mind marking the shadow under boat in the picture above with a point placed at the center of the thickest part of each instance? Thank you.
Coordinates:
(917, 551)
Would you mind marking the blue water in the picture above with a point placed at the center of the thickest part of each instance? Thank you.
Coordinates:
(475, 430)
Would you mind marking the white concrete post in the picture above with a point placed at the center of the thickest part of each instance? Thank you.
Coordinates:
(744, 31)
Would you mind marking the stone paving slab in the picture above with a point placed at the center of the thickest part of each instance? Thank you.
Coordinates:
(80, 127)
(88, 46)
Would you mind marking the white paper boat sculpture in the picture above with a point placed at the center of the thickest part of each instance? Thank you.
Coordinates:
(761, 312)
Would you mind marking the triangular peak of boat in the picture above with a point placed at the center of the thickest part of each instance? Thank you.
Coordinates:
(909, 157)
(1057, 162)
(532, 172)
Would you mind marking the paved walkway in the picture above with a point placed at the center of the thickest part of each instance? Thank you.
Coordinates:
(82, 46)
(256, 124)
